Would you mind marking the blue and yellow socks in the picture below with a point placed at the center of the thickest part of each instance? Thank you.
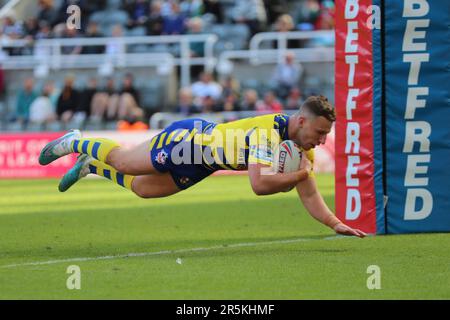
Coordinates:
(98, 148)
(102, 169)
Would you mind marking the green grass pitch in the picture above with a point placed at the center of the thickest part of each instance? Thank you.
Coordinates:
(214, 241)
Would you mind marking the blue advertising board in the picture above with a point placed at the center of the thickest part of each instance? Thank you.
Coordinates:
(417, 116)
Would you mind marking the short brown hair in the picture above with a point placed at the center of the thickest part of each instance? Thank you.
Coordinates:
(319, 106)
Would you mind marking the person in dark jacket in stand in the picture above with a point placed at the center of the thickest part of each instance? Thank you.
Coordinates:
(68, 101)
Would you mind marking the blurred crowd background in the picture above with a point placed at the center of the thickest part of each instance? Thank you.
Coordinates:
(120, 100)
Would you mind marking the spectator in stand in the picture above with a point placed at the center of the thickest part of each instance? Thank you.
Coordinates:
(88, 7)
(166, 7)
(3, 38)
(271, 103)
(101, 101)
(230, 86)
(209, 104)
(47, 13)
(115, 46)
(308, 15)
(230, 94)
(285, 23)
(129, 101)
(197, 49)
(325, 22)
(175, 22)
(191, 8)
(231, 103)
(294, 100)
(185, 105)
(87, 96)
(93, 32)
(31, 27)
(326, 17)
(25, 98)
(73, 49)
(54, 93)
(250, 12)
(286, 75)
(155, 21)
(206, 87)
(117, 105)
(68, 100)
(59, 30)
(43, 52)
(128, 6)
(138, 11)
(195, 26)
(251, 101)
(42, 110)
(44, 32)
(12, 30)
(274, 9)
(213, 7)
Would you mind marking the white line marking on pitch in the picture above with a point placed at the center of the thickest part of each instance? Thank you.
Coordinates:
(164, 252)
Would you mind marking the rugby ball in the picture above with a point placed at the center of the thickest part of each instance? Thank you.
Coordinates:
(287, 157)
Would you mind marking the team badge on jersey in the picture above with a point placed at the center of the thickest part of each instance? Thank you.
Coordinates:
(161, 158)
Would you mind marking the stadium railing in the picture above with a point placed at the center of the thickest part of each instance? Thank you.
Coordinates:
(271, 56)
(259, 54)
(49, 53)
(281, 39)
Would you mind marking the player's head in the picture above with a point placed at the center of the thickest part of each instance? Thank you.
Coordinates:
(311, 124)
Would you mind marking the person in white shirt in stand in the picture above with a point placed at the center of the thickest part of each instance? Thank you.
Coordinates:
(286, 75)
(42, 110)
(206, 87)
(115, 47)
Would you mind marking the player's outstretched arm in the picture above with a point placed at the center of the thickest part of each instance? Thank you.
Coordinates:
(317, 208)
(265, 182)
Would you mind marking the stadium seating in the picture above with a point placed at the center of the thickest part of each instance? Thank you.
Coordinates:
(159, 93)
(231, 36)
(107, 19)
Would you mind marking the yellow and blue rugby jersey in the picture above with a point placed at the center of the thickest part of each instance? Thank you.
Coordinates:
(235, 145)
(192, 149)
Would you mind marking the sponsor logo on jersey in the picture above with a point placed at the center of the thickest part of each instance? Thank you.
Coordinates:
(282, 161)
(161, 158)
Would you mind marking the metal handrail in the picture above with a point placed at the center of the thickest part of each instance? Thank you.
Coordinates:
(88, 61)
(209, 40)
(270, 56)
(282, 40)
(52, 51)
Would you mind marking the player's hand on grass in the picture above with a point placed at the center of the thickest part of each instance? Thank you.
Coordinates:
(343, 229)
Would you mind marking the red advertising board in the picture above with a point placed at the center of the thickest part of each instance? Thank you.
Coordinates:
(355, 197)
(19, 155)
